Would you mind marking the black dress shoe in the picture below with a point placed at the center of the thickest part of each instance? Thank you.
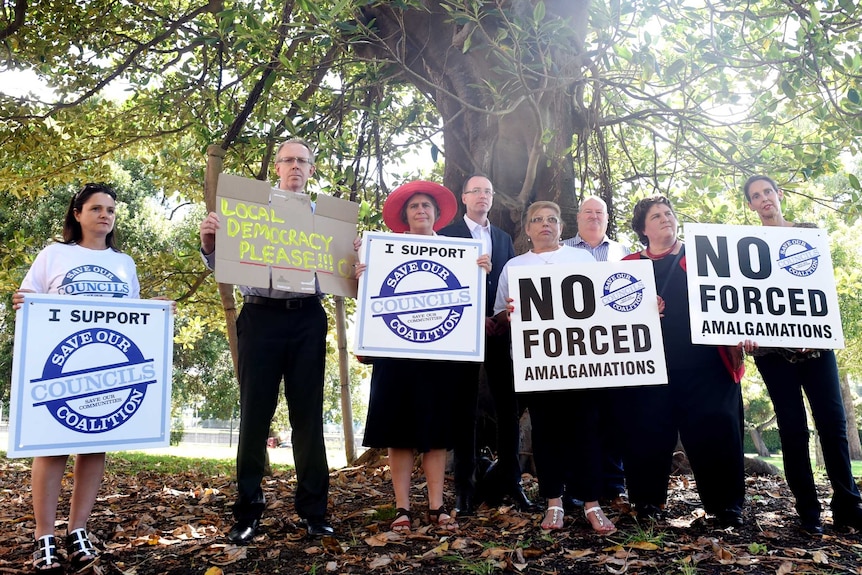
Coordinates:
(729, 518)
(811, 527)
(243, 531)
(850, 516)
(648, 511)
(570, 504)
(318, 526)
(463, 504)
(521, 501)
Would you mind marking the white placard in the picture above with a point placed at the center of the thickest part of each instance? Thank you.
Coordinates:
(421, 297)
(90, 374)
(771, 284)
(586, 325)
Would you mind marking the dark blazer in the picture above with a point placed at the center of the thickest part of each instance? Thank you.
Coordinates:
(502, 250)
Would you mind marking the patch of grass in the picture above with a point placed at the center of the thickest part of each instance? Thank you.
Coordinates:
(384, 514)
(645, 533)
(778, 461)
(127, 462)
(476, 566)
(687, 565)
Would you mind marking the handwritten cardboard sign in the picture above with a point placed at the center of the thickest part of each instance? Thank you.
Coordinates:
(421, 297)
(275, 238)
(586, 325)
(90, 374)
(773, 285)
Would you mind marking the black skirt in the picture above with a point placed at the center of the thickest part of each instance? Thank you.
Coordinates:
(411, 404)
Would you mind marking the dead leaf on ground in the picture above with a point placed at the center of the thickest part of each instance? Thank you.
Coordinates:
(380, 561)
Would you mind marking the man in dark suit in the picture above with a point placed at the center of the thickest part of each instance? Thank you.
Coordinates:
(477, 194)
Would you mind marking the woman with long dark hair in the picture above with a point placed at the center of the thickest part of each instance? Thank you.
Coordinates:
(88, 252)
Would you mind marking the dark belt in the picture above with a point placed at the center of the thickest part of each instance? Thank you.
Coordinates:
(293, 303)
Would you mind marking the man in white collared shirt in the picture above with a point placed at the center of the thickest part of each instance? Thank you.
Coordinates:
(477, 195)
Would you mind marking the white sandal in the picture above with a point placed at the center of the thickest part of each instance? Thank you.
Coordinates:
(558, 515)
(603, 528)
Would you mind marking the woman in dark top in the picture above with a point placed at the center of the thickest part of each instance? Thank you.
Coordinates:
(786, 374)
(702, 403)
(410, 399)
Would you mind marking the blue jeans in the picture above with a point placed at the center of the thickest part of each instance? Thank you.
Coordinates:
(818, 377)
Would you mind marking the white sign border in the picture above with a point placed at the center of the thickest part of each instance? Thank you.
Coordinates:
(362, 347)
(605, 270)
(817, 237)
(22, 327)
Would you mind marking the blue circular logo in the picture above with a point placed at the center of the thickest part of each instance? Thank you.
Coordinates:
(93, 381)
(798, 257)
(623, 292)
(421, 301)
(93, 280)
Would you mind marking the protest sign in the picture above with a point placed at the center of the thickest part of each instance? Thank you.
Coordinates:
(90, 374)
(272, 238)
(770, 284)
(585, 325)
(421, 297)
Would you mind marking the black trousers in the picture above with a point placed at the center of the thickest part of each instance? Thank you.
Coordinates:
(567, 442)
(818, 377)
(498, 369)
(276, 343)
(704, 408)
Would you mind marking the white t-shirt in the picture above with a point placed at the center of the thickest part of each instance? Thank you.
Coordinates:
(564, 255)
(69, 269)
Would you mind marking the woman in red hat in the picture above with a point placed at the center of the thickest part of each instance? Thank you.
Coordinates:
(409, 404)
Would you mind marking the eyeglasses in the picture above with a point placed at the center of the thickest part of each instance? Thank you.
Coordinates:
(552, 220)
(478, 191)
(294, 160)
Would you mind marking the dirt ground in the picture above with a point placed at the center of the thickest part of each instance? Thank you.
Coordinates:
(175, 524)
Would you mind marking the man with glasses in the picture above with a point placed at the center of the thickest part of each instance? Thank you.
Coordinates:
(592, 236)
(477, 195)
(280, 335)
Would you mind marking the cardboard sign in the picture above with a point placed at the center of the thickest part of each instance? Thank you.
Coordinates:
(274, 238)
(421, 297)
(586, 325)
(773, 285)
(90, 374)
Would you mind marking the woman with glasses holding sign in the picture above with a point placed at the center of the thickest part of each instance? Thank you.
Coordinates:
(86, 262)
(409, 406)
(789, 372)
(565, 423)
(702, 402)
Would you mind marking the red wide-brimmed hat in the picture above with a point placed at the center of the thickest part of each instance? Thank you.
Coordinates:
(395, 202)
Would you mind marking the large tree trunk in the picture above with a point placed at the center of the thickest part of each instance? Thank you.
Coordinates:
(850, 411)
(522, 137)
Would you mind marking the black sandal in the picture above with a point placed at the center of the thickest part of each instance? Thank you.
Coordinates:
(401, 525)
(434, 519)
(45, 558)
(79, 549)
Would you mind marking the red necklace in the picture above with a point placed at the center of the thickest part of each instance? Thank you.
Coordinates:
(653, 256)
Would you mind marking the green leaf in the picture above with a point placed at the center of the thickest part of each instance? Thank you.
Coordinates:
(854, 182)
(675, 68)
(539, 12)
(853, 95)
(788, 89)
